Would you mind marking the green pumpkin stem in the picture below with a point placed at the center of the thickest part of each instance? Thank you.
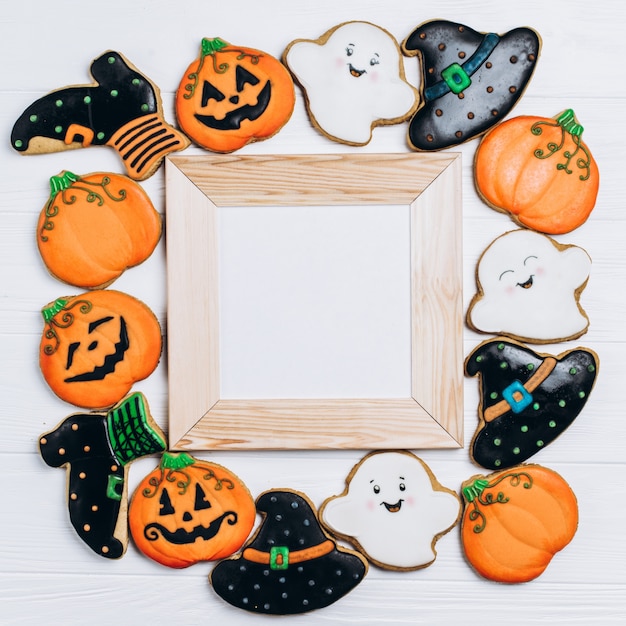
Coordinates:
(567, 120)
(176, 461)
(49, 311)
(211, 46)
(473, 491)
(61, 182)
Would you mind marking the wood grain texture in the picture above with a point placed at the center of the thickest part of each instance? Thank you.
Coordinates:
(48, 576)
(430, 184)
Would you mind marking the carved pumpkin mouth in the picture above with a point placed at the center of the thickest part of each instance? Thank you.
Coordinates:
(528, 284)
(356, 73)
(393, 508)
(233, 119)
(110, 361)
(180, 536)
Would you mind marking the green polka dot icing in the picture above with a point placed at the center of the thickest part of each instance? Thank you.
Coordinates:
(58, 129)
(114, 93)
(59, 103)
(136, 82)
(145, 108)
(33, 118)
(18, 143)
(555, 390)
(87, 100)
(100, 135)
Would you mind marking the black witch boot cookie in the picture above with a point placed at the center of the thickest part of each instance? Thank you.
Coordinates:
(96, 449)
(122, 109)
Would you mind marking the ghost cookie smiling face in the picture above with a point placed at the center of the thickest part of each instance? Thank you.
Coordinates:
(393, 509)
(529, 288)
(353, 80)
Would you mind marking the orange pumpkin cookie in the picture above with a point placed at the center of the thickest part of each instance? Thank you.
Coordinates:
(189, 510)
(231, 96)
(516, 520)
(96, 345)
(94, 227)
(540, 171)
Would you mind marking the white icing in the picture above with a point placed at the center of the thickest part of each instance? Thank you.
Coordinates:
(352, 81)
(547, 309)
(398, 538)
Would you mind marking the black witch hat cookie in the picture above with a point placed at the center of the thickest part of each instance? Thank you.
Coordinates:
(470, 80)
(290, 565)
(96, 449)
(122, 109)
(526, 399)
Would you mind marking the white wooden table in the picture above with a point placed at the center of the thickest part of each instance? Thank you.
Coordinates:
(47, 575)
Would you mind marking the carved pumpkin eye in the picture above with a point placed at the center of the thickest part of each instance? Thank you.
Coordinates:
(210, 92)
(165, 504)
(243, 77)
(201, 501)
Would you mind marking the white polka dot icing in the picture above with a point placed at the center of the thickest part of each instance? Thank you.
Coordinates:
(353, 79)
(393, 509)
(529, 288)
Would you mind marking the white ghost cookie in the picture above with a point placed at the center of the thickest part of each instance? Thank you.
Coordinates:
(529, 288)
(393, 510)
(353, 80)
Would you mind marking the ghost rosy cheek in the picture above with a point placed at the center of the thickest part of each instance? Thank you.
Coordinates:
(509, 290)
(339, 62)
(540, 271)
(370, 504)
(410, 501)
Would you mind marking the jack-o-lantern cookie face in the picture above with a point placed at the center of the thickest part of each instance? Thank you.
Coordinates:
(189, 510)
(95, 346)
(232, 96)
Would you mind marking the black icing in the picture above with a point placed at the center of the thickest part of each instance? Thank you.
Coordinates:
(233, 119)
(290, 522)
(513, 437)
(496, 84)
(121, 95)
(96, 447)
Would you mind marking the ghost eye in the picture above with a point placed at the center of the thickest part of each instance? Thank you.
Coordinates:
(402, 487)
(210, 92)
(376, 489)
(349, 51)
(529, 257)
(243, 78)
(166, 504)
(201, 501)
(374, 60)
(505, 272)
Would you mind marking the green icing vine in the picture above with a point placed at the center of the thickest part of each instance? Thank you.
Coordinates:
(566, 121)
(210, 48)
(59, 186)
(54, 320)
(475, 494)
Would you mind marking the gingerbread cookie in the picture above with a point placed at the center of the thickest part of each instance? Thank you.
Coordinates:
(526, 399)
(96, 449)
(539, 171)
(189, 510)
(94, 227)
(121, 109)
(529, 288)
(231, 96)
(393, 510)
(353, 80)
(290, 565)
(96, 345)
(470, 80)
(515, 521)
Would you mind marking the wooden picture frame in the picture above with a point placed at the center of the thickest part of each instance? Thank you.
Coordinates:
(197, 187)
